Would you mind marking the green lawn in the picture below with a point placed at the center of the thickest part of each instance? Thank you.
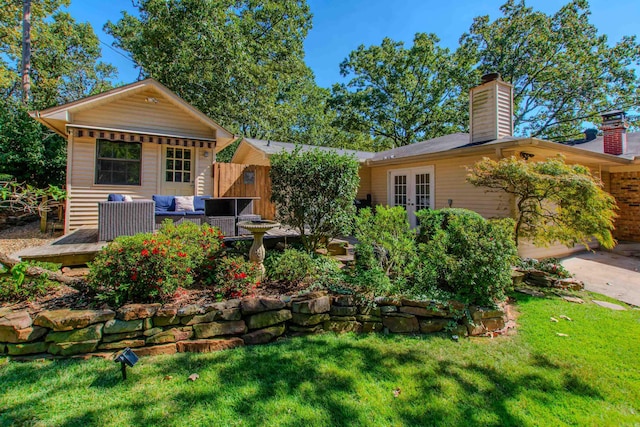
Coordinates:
(591, 377)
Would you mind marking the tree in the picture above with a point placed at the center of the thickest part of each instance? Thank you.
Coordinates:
(314, 192)
(241, 62)
(402, 95)
(65, 55)
(28, 151)
(64, 68)
(563, 72)
(555, 202)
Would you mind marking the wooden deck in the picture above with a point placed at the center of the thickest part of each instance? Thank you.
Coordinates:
(81, 246)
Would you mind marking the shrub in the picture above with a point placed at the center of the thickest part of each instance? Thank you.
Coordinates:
(203, 243)
(235, 277)
(15, 285)
(140, 268)
(464, 255)
(314, 193)
(385, 240)
(550, 266)
(298, 267)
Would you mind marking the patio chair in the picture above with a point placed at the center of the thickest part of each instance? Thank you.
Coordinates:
(125, 218)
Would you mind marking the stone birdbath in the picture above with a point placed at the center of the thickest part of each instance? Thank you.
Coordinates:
(258, 229)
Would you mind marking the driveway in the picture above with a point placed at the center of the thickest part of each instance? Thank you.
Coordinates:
(613, 274)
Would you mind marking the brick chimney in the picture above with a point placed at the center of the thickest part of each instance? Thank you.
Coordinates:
(490, 109)
(614, 130)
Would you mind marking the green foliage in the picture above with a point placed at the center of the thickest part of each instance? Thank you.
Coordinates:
(28, 151)
(300, 267)
(148, 267)
(235, 277)
(314, 192)
(550, 266)
(241, 62)
(371, 281)
(562, 70)
(16, 285)
(203, 243)
(65, 67)
(140, 268)
(64, 57)
(404, 95)
(555, 202)
(464, 255)
(385, 240)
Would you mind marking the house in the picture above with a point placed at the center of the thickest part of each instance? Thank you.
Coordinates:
(140, 139)
(432, 174)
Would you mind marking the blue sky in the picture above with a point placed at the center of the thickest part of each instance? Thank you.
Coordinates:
(340, 26)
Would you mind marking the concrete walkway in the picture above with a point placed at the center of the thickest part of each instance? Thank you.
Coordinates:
(614, 274)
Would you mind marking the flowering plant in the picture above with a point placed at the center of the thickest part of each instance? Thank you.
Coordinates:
(236, 277)
(140, 268)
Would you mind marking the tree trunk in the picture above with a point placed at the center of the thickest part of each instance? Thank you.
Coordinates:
(26, 51)
(9, 262)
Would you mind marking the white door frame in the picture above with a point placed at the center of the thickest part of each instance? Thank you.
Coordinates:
(411, 193)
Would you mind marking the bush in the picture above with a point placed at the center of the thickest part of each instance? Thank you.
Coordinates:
(203, 243)
(464, 255)
(314, 193)
(140, 268)
(299, 267)
(15, 285)
(550, 266)
(235, 277)
(386, 240)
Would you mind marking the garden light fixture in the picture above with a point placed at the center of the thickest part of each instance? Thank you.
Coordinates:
(126, 358)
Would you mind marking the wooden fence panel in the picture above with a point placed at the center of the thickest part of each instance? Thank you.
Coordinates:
(238, 180)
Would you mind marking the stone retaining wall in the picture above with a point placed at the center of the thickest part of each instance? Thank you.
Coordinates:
(153, 329)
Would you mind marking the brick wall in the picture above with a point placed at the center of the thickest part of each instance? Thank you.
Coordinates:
(625, 187)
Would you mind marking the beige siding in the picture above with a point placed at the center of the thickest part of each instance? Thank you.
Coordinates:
(136, 114)
(450, 183)
(365, 182)
(84, 194)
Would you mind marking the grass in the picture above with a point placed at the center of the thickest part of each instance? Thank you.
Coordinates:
(590, 377)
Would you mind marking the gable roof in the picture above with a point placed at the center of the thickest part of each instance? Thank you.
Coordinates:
(57, 118)
(273, 147)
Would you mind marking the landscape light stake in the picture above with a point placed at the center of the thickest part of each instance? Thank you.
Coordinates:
(126, 358)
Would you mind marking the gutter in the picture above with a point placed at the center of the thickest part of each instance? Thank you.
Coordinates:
(493, 147)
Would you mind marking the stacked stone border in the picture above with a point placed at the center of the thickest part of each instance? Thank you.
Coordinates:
(152, 329)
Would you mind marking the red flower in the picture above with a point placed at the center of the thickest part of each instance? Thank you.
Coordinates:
(144, 252)
(182, 254)
(243, 275)
(134, 276)
(155, 251)
(188, 269)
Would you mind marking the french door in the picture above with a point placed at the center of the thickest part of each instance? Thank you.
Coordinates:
(412, 189)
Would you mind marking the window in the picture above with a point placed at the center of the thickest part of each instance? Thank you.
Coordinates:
(118, 163)
(178, 165)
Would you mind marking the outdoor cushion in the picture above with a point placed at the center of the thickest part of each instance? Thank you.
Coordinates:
(127, 198)
(198, 202)
(184, 203)
(171, 213)
(164, 203)
(115, 198)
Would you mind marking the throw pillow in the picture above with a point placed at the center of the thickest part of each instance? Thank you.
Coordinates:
(127, 198)
(184, 204)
